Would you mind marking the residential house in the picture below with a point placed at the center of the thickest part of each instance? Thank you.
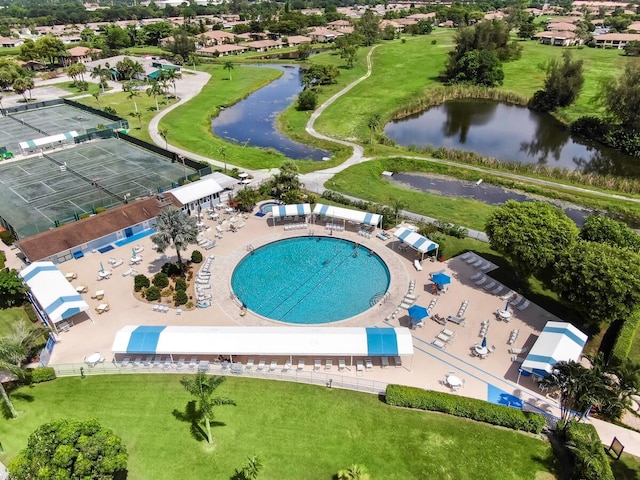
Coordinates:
(82, 54)
(616, 40)
(339, 25)
(391, 23)
(6, 42)
(562, 27)
(558, 39)
(323, 35)
(296, 40)
(223, 50)
(218, 37)
(264, 45)
(423, 16)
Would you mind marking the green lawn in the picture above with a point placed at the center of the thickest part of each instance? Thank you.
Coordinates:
(124, 107)
(627, 468)
(9, 317)
(73, 91)
(301, 432)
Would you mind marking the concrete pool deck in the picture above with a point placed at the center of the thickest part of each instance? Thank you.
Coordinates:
(483, 378)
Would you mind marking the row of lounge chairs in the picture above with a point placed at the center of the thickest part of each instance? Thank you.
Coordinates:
(203, 284)
(444, 338)
(513, 336)
(364, 233)
(484, 328)
(477, 262)
(158, 307)
(115, 262)
(334, 227)
(296, 226)
(463, 308)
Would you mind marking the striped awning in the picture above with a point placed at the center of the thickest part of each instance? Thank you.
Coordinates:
(40, 142)
(53, 292)
(280, 341)
(347, 214)
(559, 341)
(296, 210)
(415, 240)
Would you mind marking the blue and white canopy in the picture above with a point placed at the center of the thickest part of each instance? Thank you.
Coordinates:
(415, 240)
(559, 341)
(277, 341)
(297, 210)
(53, 292)
(346, 214)
(43, 141)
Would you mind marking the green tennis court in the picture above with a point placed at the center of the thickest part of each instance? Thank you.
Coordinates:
(37, 192)
(44, 122)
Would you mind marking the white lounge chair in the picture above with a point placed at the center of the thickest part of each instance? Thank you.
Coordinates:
(300, 363)
(486, 266)
(471, 259)
(475, 276)
(341, 364)
(439, 343)
(128, 272)
(317, 363)
(524, 306)
(328, 364)
(273, 365)
(416, 264)
(481, 281)
(117, 263)
(359, 368)
(517, 359)
(287, 366)
(518, 350)
(249, 364)
(497, 290)
(384, 361)
(261, 364)
(397, 361)
(464, 256)
(508, 296)
(368, 363)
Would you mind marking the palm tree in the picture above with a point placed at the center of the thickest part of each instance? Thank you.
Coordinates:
(20, 87)
(164, 133)
(99, 72)
(174, 227)
(202, 386)
(96, 95)
(398, 206)
(137, 115)
(172, 76)
(228, 65)
(8, 353)
(153, 91)
(354, 472)
(373, 124)
(30, 85)
(130, 88)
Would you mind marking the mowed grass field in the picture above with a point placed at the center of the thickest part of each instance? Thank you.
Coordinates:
(300, 431)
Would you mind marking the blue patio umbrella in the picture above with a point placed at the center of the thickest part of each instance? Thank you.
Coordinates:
(484, 342)
(101, 267)
(418, 312)
(133, 251)
(506, 307)
(441, 279)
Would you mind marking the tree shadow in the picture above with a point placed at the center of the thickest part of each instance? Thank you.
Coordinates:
(193, 416)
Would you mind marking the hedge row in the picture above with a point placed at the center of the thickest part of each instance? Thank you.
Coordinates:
(626, 336)
(411, 397)
(590, 461)
(42, 374)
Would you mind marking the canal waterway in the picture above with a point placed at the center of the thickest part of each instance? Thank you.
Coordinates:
(487, 193)
(252, 121)
(508, 132)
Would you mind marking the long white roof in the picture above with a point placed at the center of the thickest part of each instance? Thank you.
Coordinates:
(39, 142)
(196, 190)
(347, 214)
(559, 341)
(52, 290)
(281, 341)
(299, 209)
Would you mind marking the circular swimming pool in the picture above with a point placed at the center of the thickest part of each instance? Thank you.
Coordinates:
(310, 280)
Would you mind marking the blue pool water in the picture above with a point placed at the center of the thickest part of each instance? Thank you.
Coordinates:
(267, 206)
(310, 280)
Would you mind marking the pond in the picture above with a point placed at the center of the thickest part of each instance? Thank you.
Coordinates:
(252, 121)
(508, 132)
(484, 192)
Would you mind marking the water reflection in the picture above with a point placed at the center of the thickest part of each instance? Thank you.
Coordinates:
(507, 132)
(252, 120)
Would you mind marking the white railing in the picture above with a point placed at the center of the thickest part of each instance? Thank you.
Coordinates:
(323, 378)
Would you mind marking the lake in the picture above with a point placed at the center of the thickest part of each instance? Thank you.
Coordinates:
(252, 121)
(508, 132)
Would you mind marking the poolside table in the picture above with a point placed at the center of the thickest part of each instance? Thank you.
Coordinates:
(453, 381)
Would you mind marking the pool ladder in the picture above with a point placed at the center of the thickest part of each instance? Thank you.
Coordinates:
(379, 297)
(250, 248)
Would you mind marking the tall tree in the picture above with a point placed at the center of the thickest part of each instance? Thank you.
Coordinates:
(20, 86)
(228, 66)
(175, 228)
(71, 449)
(369, 27)
(600, 281)
(8, 353)
(154, 91)
(530, 235)
(132, 93)
(620, 97)
(12, 289)
(562, 86)
(202, 387)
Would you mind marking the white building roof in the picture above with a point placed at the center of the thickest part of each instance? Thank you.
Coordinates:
(415, 240)
(299, 209)
(53, 292)
(225, 181)
(196, 190)
(39, 142)
(281, 341)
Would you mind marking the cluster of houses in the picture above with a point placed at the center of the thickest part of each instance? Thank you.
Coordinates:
(562, 32)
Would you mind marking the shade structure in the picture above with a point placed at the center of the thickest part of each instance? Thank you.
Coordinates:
(45, 141)
(52, 292)
(559, 341)
(415, 240)
(295, 210)
(418, 312)
(280, 341)
(441, 279)
(347, 214)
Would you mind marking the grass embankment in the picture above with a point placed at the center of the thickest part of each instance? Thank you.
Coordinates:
(73, 90)
(9, 317)
(124, 107)
(300, 431)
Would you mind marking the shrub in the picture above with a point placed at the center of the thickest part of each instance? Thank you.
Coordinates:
(189, 304)
(181, 297)
(173, 269)
(590, 462)
(181, 284)
(153, 294)
(3, 258)
(140, 281)
(307, 100)
(167, 292)
(7, 237)
(110, 110)
(472, 408)
(196, 256)
(30, 311)
(42, 374)
(625, 338)
(161, 280)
